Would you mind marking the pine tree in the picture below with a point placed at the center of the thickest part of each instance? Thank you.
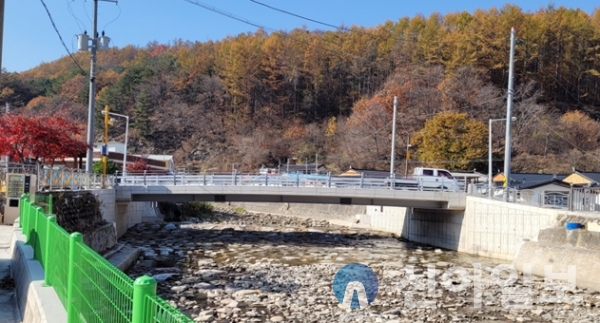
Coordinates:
(143, 110)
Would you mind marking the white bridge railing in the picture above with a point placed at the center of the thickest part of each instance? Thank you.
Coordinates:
(574, 199)
(297, 180)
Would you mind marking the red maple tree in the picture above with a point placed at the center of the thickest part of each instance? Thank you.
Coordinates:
(139, 165)
(39, 139)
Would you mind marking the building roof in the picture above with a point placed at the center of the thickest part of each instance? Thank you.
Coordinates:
(372, 173)
(302, 168)
(522, 180)
(582, 177)
(554, 181)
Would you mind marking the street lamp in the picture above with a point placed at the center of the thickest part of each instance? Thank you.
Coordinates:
(408, 145)
(126, 135)
(490, 181)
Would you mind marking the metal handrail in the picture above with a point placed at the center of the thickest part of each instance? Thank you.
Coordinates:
(289, 179)
(576, 199)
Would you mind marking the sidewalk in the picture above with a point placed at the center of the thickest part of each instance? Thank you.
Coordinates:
(8, 303)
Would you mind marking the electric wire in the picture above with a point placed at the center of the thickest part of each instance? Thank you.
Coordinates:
(86, 13)
(118, 16)
(226, 14)
(339, 53)
(77, 20)
(299, 16)
(60, 37)
(358, 29)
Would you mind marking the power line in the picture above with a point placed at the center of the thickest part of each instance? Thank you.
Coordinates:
(77, 20)
(61, 39)
(226, 14)
(299, 16)
(257, 25)
(358, 30)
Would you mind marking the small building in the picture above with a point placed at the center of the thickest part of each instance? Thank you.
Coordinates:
(116, 150)
(470, 177)
(367, 173)
(579, 177)
(521, 180)
(554, 192)
(303, 169)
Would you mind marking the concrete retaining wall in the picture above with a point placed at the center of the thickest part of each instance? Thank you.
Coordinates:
(562, 248)
(37, 304)
(315, 211)
(102, 238)
(124, 215)
(497, 229)
(487, 228)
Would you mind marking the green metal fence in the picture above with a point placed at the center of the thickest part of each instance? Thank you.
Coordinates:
(90, 288)
(44, 201)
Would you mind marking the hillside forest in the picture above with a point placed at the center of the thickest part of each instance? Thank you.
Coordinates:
(263, 98)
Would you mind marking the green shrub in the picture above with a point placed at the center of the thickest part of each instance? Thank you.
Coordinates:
(200, 210)
(111, 167)
(240, 209)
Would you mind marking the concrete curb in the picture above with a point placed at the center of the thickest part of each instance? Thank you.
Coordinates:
(37, 303)
(124, 258)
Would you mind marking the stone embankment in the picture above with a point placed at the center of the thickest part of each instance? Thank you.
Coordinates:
(265, 268)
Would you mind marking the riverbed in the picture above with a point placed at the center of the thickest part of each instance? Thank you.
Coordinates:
(267, 268)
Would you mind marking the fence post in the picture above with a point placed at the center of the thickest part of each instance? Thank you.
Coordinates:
(38, 211)
(22, 210)
(50, 205)
(51, 219)
(205, 179)
(174, 178)
(362, 179)
(297, 179)
(145, 178)
(329, 179)
(266, 180)
(143, 287)
(25, 219)
(75, 238)
(571, 197)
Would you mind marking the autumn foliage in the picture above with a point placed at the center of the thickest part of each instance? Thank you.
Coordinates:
(39, 139)
(265, 97)
(137, 166)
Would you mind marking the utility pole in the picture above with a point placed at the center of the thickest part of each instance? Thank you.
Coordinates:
(92, 99)
(105, 146)
(393, 157)
(316, 163)
(97, 43)
(1, 30)
(509, 104)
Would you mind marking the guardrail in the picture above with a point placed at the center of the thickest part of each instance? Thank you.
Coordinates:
(297, 180)
(89, 287)
(575, 199)
(53, 179)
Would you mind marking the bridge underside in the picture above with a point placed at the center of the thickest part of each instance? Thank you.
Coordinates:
(290, 199)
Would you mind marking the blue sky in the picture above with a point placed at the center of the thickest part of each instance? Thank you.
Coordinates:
(29, 38)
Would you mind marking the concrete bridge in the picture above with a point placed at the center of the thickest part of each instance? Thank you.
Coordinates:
(322, 189)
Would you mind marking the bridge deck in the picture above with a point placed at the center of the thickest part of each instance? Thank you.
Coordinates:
(226, 188)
